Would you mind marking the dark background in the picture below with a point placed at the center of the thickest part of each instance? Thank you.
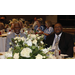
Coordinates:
(26, 17)
(66, 20)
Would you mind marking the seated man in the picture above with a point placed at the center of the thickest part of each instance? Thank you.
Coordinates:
(65, 44)
(16, 32)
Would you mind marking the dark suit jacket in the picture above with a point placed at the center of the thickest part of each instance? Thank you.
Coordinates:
(65, 44)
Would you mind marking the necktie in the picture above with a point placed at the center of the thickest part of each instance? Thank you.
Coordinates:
(56, 42)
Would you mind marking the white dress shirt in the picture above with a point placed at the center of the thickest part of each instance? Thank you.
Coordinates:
(53, 45)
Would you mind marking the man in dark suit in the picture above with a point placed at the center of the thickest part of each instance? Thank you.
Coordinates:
(65, 43)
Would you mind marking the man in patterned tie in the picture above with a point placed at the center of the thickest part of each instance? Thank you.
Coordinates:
(16, 32)
(65, 40)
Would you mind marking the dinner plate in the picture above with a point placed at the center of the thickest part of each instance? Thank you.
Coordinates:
(1, 53)
(63, 55)
(2, 56)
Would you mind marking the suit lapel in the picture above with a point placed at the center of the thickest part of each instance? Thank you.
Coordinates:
(53, 36)
(61, 42)
(62, 36)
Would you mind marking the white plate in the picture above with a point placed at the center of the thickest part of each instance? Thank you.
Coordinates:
(63, 55)
(2, 56)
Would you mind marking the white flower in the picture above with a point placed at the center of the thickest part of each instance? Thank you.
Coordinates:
(10, 43)
(42, 42)
(27, 38)
(45, 50)
(29, 42)
(42, 36)
(38, 38)
(50, 48)
(39, 56)
(26, 52)
(34, 42)
(26, 32)
(23, 39)
(19, 39)
(32, 36)
(44, 57)
(16, 56)
(16, 38)
(17, 45)
(15, 41)
(37, 35)
(8, 54)
(10, 49)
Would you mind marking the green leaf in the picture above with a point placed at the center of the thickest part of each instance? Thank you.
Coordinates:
(9, 58)
(33, 47)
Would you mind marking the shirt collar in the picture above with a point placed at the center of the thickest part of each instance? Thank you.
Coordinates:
(58, 35)
(17, 34)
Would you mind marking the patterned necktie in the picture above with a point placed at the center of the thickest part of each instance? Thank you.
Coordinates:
(56, 42)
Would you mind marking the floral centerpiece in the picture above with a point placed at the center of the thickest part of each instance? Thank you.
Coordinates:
(31, 47)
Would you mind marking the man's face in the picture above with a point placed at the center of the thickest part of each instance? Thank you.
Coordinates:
(17, 28)
(58, 28)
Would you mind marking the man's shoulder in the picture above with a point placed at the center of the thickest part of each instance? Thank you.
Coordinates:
(67, 34)
(10, 35)
(51, 35)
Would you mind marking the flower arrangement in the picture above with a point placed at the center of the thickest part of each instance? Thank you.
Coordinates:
(31, 47)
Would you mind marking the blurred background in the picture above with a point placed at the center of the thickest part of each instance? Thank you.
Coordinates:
(29, 18)
(67, 21)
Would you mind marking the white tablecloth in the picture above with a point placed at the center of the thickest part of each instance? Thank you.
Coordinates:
(2, 44)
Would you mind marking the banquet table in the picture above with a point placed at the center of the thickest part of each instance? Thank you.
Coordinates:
(5, 55)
